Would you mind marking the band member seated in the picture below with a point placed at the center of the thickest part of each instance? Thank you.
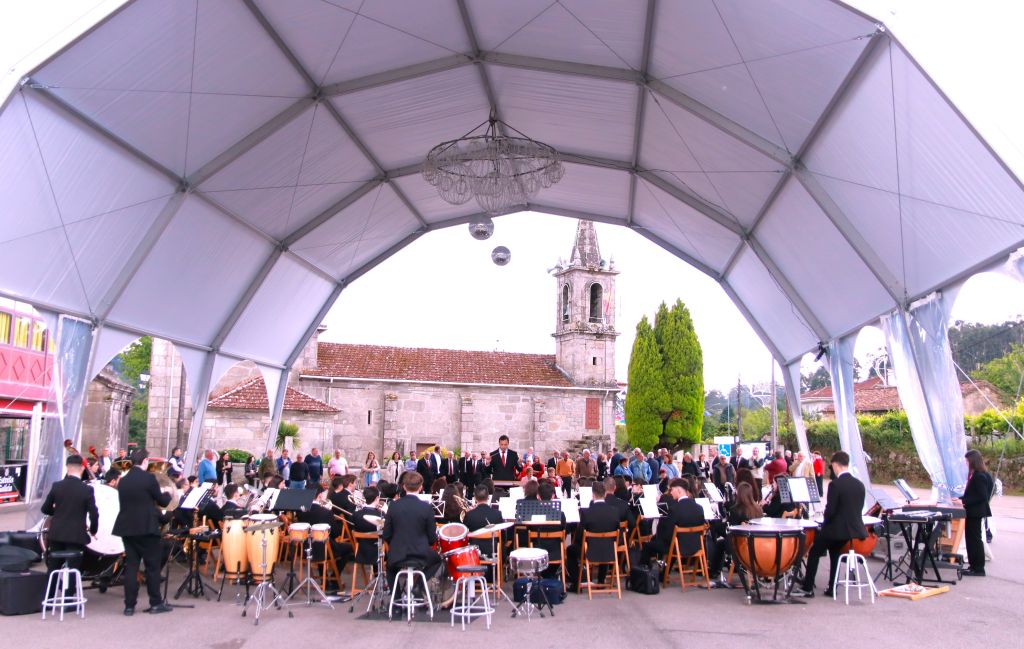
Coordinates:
(138, 525)
(230, 509)
(112, 477)
(842, 522)
(746, 506)
(546, 493)
(320, 513)
(683, 512)
(613, 487)
(69, 502)
(600, 517)
(775, 508)
(366, 551)
(453, 500)
(341, 494)
(410, 532)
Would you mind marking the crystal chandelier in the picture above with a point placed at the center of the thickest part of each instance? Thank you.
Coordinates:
(500, 171)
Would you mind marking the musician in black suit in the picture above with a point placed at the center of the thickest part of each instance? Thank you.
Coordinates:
(69, 502)
(600, 517)
(975, 501)
(843, 522)
(683, 511)
(617, 495)
(504, 461)
(341, 494)
(138, 525)
(482, 515)
(320, 514)
(410, 532)
(366, 551)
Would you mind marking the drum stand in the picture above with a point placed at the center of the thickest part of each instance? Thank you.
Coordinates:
(309, 583)
(378, 586)
(527, 604)
(193, 583)
(499, 594)
(266, 587)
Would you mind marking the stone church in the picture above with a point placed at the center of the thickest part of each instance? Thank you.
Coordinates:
(359, 398)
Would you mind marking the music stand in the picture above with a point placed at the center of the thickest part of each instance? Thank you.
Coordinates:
(905, 490)
(551, 510)
(294, 500)
(193, 583)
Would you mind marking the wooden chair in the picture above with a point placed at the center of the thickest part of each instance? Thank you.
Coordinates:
(365, 537)
(694, 564)
(325, 566)
(559, 535)
(210, 546)
(622, 546)
(614, 565)
(636, 539)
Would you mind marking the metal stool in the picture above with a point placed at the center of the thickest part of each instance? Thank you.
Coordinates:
(852, 562)
(407, 600)
(471, 598)
(58, 583)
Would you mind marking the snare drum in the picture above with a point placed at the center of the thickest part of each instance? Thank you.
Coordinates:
(528, 561)
(468, 555)
(452, 537)
(320, 533)
(298, 532)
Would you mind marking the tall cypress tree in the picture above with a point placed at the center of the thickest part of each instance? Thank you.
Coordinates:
(683, 372)
(646, 397)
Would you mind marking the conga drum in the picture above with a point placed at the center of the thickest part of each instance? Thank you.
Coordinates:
(254, 546)
(766, 553)
(232, 548)
(452, 537)
(320, 533)
(866, 546)
(298, 532)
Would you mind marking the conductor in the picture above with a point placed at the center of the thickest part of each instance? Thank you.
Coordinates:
(138, 525)
(504, 462)
(842, 522)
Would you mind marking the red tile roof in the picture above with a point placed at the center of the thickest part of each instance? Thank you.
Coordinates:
(441, 365)
(252, 395)
(826, 392)
(883, 398)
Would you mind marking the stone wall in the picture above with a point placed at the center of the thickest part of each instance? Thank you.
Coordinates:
(166, 373)
(105, 415)
(247, 430)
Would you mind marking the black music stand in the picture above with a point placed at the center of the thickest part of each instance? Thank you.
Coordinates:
(193, 583)
(788, 490)
(551, 510)
(294, 500)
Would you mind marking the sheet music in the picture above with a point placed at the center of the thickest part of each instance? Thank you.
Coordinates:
(196, 495)
(651, 491)
(427, 498)
(649, 507)
(765, 490)
(571, 509)
(710, 510)
(798, 487)
(507, 507)
(713, 492)
(517, 493)
(586, 495)
(269, 498)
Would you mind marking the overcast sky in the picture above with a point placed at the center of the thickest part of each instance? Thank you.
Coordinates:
(443, 290)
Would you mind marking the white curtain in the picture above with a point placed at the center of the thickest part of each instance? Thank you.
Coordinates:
(918, 345)
(840, 367)
(791, 378)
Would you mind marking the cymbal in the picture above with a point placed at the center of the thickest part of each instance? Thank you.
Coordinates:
(491, 530)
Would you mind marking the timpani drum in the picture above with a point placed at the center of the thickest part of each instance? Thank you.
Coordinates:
(866, 546)
(767, 553)
(467, 555)
(232, 548)
(528, 561)
(320, 533)
(452, 536)
(298, 532)
(254, 546)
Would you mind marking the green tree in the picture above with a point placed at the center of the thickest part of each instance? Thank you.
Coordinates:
(682, 371)
(286, 429)
(134, 363)
(646, 397)
(1005, 372)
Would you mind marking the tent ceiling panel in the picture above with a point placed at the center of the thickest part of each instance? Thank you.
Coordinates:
(88, 174)
(267, 210)
(585, 115)
(401, 122)
(689, 37)
(431, 207)
(53, 280)
(598, 32)
(819, 263)
(330, 154)
(261, 333)
(192, 277)
(28, 201)
(590, 189)
(684, 227)
(769, 306)
(341, 244)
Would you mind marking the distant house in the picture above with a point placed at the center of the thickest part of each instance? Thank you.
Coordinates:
(875, 397)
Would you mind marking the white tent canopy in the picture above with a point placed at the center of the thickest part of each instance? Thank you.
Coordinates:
(216, 171)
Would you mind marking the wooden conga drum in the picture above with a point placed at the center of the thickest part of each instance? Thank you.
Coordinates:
(232, 548)
(254, 546)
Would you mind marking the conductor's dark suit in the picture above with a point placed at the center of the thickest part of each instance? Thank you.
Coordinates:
(410, 532)
(842, 522)
(507, 469)
(138, 525)
(69, 502)
(684, 512)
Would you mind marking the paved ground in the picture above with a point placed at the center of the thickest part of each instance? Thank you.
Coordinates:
(986, 610)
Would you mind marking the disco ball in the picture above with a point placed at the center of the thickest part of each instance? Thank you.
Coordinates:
(481, 227)
(501, 255)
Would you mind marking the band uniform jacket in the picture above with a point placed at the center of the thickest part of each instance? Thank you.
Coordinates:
(409, 530)
(138, 494)
(68, 502)
(598, 518)
(482, 516)
(684, 512)
(977, 495)
(366, 550)
(507, 470)
(843, 519)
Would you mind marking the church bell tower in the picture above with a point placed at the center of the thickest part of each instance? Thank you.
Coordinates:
(585, 316)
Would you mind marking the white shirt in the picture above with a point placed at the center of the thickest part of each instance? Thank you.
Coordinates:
(175, 463)
(337, 466)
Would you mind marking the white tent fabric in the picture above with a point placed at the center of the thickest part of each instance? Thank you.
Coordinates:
(194, 169)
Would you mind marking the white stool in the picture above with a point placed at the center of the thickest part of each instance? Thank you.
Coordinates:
(848, 576)
(409, 576)
(58, 583)
(471, 598)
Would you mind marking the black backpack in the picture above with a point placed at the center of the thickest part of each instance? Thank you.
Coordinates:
(644, 580)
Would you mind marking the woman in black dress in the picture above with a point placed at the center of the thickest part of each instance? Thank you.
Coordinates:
(977, 493)
(224, 469)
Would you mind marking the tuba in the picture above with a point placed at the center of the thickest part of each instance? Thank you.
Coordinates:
(167, 486)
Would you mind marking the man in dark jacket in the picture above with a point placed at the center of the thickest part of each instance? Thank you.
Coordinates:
(316, 467)
(69, 502)
(843, 522)
(599, 518)
(299, 473)
(138, 525)
(683, 511)
(410, 532)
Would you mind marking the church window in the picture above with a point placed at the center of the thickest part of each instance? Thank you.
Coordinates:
(369, 417)
(595, 303)
(565, 303)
